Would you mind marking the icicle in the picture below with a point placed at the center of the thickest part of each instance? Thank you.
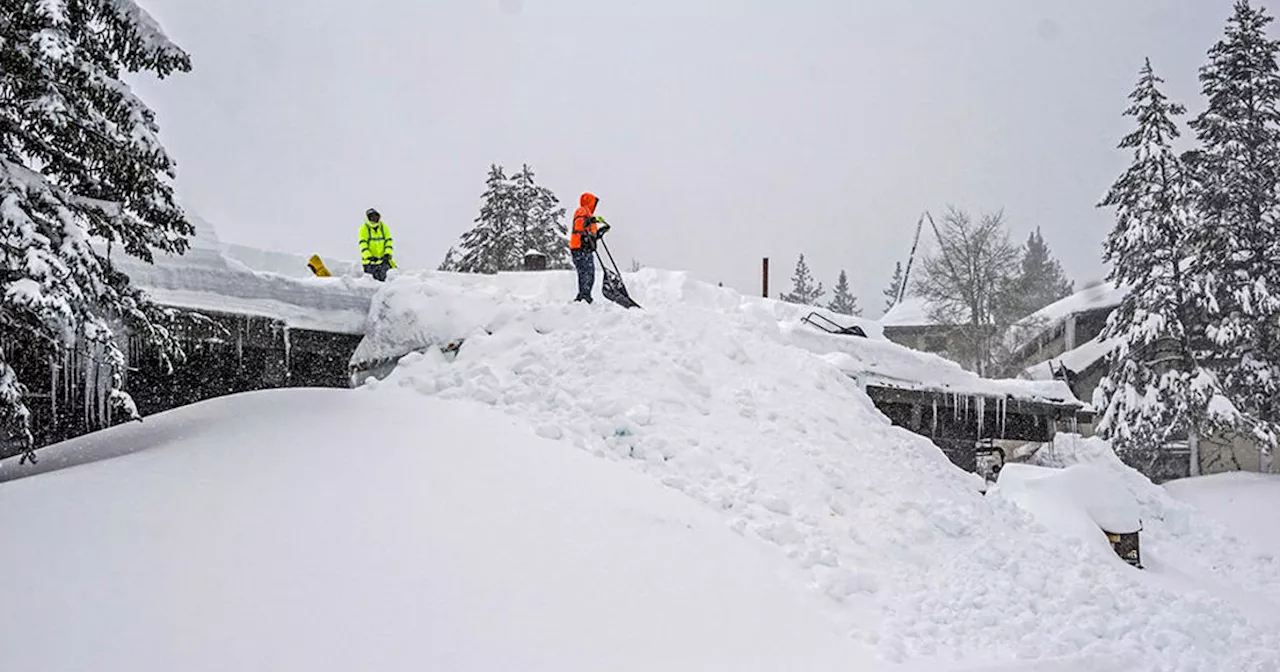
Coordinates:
(240, 346)
(980, 407)
(53, 391)
(84, 363)
(935, 416)
(288, 373)
(104, 381)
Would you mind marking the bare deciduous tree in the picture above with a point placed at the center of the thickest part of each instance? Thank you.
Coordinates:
(970, 283)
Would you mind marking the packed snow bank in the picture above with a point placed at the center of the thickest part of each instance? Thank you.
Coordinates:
(267, 531)
(1080, 501)
(732, 401)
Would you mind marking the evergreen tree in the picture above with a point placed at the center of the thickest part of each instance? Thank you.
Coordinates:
(803, 289)
(1156, 387)
(450, 262)
(843, 301)
(1041, 281)
(82, 172)
(895, 287)
(1237, 250)
(539, 219)
(492, 245)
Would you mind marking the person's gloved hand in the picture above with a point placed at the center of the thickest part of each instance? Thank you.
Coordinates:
(603, 229)
(391, 262)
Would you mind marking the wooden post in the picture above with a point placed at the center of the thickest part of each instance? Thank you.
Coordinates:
(764, 277)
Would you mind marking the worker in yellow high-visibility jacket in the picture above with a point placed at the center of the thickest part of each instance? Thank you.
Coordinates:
(376, 248)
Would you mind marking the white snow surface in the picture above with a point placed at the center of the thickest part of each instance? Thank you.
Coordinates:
(264, 531)
(732, 401)
(735, 403)
(1243, 502)
(434, 308)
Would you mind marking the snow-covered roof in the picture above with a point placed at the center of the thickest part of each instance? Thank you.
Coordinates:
(912, 311)
(1082, 357)
(217, 276)
(1094, 297)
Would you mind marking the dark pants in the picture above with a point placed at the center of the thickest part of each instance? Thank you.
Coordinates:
(586, 265)
(378, 271)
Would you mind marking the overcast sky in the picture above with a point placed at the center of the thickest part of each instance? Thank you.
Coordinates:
(715, 133)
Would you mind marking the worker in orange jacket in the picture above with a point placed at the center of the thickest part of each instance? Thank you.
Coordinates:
(587, 229)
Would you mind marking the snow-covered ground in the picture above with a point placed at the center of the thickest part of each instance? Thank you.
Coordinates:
(727, 399)
(266, 531)
(1245, 503)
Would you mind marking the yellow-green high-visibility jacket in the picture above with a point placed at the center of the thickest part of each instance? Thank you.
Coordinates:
(375, 242)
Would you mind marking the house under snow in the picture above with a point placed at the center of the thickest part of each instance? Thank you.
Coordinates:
(270, 323)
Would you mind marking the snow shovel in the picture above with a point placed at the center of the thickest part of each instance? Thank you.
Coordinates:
(613, 289)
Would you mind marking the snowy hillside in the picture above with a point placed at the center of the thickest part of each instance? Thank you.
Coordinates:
(730, 400)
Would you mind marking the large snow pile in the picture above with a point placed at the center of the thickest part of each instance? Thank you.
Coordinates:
(1079, 501)
(267, 531)
(727, 399)
(427, 309)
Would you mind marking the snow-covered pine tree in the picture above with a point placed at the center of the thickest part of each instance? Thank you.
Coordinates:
(803, 289)
(80, 165)
(1237, 171)
(1041, 280)
(842, 300)
(539, 219)
(492, 245)
(1156, 388)
(450, 261)
(895, 287)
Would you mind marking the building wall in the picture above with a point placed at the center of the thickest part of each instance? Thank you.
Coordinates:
(1229, 452)
(229, 354)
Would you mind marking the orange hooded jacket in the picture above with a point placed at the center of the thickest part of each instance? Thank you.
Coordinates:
(583, 219)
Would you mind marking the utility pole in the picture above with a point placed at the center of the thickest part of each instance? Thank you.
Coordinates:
(764, 277)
